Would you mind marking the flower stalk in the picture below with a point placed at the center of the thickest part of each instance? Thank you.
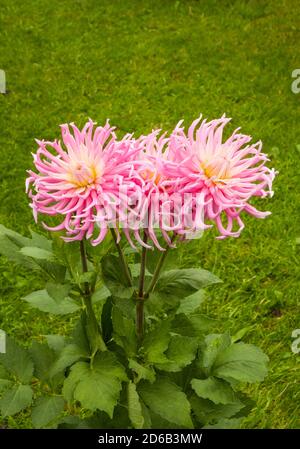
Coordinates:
(158, 268)
(92, 326)
(122, 257)
(141, 294)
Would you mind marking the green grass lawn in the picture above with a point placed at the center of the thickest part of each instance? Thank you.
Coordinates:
(147, 64)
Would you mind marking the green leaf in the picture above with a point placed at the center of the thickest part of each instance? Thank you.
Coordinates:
(146, 416)
(15, 237)
(11, 244)
(135, 269)
(56, 342)
(166, 399)
(58, 304)
(191, 303)
(240, 334)
(114, 277)
(142, 371)
(100, 295)
(124, 331)
(79, 335)
(214, 344)
(106, 320)
(11, 251)
(69, 355)
(193, 325)
(156, 342)
(98, 387)
(54, 270)
(17, 361)
(46, 410)
(37, 253)
(154, 256)
(225, 423)
(202, 323)
(207, 412)
(72, 422)
(58, 292)
(5, 384)
(15, 400)
(216, 390)
(181, 352)
(159, 304)
(241, 362)
(89, 276)
(40, 241)
(43, 358)
(135, 411)
(184, 282)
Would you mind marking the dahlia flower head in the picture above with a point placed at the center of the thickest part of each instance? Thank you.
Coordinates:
(181, 183)
(87, 180)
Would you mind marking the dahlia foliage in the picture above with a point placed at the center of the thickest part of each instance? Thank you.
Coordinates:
(139, 355)
(184, 183)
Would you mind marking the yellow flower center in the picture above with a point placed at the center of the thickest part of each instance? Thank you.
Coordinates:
(151, 176)
(217, 170)
(83, 175)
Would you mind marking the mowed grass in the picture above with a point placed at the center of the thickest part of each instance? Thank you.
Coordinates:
(147, 64)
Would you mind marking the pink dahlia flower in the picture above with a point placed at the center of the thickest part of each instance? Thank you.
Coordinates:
(146, 214)
(83, 180)
(222, 177)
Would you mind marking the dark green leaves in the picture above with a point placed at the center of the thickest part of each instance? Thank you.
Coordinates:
(17, 361)
(214, 344)
(43, 357)
(166, 399)
(182, 283)
(124, 331)
(207, 412)
(237, 362)
(69, 355)
(145, 372)
(216, 390)
(37, 253)
(156, 342)
(54, 299)
(114, 277)
(241, 362)
(135, 410)
(47, 411)
(5, 382)
(100, 295)
(225, 423)
(191, 303)
(96, 387)
(180, 353)
(15, 400)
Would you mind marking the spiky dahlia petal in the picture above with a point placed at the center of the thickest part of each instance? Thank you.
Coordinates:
(228, 173)
(81, 179)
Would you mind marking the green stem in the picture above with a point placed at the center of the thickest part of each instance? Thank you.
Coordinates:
(84, 266)
(122, 258)
(92, 327)
(158, 268)
(140, 297)
(143, 268)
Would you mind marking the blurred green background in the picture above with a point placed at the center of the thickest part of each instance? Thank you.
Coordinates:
(147, 64)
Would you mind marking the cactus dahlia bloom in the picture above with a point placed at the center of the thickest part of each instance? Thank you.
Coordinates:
(146, 214)
(224, 176)
(83, 180)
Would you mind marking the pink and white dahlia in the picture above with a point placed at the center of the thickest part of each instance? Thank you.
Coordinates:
(222, 177)
(146, 214)
(87, 180)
